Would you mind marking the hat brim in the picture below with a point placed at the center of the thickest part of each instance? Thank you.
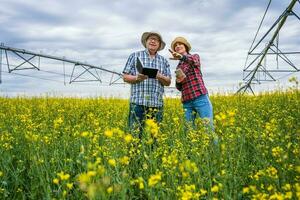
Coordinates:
(146, 35)
(181, 40)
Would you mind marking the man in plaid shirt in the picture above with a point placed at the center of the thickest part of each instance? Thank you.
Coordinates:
(146, 95)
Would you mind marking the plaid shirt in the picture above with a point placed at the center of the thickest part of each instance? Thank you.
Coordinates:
(150, 91)
(192, 86)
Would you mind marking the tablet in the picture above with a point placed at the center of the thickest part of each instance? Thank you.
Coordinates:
(150, 72)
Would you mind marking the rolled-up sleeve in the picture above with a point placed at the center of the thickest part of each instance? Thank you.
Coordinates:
(130, 65)
(193, 60)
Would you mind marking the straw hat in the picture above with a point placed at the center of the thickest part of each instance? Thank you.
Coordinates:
(146, 35)
(181, 40)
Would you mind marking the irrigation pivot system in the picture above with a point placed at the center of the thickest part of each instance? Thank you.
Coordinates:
(27, 57)
(256, 72)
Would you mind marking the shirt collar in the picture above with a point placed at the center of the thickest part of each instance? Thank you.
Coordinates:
(148, 54)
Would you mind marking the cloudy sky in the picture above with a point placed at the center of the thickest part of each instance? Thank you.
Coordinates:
(104, 33)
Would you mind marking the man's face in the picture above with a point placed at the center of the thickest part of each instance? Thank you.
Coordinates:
(153, 43)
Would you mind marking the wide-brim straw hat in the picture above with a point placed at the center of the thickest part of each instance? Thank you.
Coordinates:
(146, 35)
(181, 40)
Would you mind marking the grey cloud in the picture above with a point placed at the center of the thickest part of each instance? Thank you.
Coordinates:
(105, 33)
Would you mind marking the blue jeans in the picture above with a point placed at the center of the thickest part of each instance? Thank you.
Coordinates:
(139, 113)
(200, 106)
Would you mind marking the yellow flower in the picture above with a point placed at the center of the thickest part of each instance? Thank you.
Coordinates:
(186, 195)
(112, 162)
(118, 132)
(272, 172)
(288, 195)
(124, 160)
(276, 151)
(91, 173)
(139, 181)
(57, 122)
(63, 176)
(215, 188)
(70, 185)
(185, 174)
(141, 185)
(297, 186)
(287, 187)
(84, 178)
(101, 169)
(150, 141)
(145, 166)
(246, 190)
(152, 127)
(188, 166)
(270, 188)
(1, 173)
(278, 196)
(231, 113)
(253, 188)
(86, 134)
(110, 190)
(188, 192)
(154, 179)
(128, 138)
(56, 181)
(203, 192)
(108, 133)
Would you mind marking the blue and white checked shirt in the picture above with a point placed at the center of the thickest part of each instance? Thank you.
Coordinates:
(150, 91)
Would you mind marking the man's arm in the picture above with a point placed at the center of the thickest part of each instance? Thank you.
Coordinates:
(164, 77)
(166, 81)
(132, 79)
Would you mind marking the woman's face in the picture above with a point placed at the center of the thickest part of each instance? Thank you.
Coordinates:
(180, 48)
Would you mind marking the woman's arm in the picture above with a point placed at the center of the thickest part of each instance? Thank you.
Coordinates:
(193, 60)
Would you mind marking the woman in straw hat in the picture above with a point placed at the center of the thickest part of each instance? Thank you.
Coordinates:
(189, 81)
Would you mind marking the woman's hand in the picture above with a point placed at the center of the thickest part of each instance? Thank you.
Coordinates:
(176, 56)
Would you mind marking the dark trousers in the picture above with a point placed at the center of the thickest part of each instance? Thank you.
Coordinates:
(139, 113)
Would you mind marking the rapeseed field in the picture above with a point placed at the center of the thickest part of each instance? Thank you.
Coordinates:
(71, 148)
